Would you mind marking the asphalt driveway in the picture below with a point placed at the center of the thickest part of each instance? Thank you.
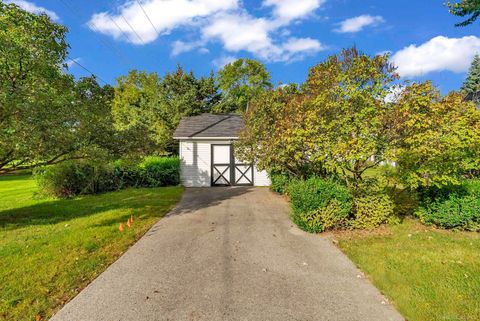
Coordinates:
(230, 254)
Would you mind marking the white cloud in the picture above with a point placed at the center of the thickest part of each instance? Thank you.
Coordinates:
(223, 60)
(224, 21)
(164, 14)
(287, 10)
(357, 24)
(33, 8)
(438, 54)
(256, 38)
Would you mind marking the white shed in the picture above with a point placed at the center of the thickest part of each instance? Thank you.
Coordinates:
(207, 155)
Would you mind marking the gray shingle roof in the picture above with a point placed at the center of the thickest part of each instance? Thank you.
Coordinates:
(209, 126)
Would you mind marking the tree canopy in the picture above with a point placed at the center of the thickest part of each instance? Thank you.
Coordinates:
(155, 105)
(35, 95)
(241, 81)
(340, 122)
(335, 123)
(465, 8)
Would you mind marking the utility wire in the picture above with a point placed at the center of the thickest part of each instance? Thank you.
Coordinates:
(134, 31)
(118, 53)
(146, 15)
(86, 69)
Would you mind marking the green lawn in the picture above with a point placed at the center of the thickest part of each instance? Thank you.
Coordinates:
(50, 249)
(428, 274)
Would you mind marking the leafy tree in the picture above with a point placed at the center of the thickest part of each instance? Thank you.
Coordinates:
(95, 132)
(465, 8)
(241, 81)
(437, 139)
(35, 94)
(154, 106)
(336, 123)
(278, 134)
(472, 83)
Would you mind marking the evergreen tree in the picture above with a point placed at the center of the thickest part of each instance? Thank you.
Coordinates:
(472, 83)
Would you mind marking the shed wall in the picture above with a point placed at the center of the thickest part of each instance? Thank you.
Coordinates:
(195, 156)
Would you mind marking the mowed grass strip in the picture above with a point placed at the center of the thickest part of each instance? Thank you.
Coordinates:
(50, 249)
(428, 274)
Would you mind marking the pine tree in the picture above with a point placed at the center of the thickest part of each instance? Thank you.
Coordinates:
(472, 83)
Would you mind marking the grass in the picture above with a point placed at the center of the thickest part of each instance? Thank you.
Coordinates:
(50, 249)
(428, 274)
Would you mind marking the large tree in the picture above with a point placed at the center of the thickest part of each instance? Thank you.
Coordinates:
(155, 105)
(335, 123)
(240, 82)
(465, 8)
(35, 94)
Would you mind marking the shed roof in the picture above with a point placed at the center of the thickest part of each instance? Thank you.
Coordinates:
(209, 126)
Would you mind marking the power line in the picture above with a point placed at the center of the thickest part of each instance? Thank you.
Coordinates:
(134, 31)
(118, 53)
(146, 15)
(86, 69)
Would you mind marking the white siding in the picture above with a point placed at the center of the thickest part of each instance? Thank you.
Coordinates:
(260, 178)
(195, 158)
(195, 163)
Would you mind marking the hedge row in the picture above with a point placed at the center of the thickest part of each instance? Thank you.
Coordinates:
(454, 207)
(319, 205)
(85, 177)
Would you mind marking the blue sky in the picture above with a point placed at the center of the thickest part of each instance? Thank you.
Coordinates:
(289, 36)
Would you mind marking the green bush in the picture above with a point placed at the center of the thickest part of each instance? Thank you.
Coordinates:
(331, 217)
(370, 211)
(279, 182)
(80, 177)
(319, 204)
(452, 207)
(74, 178)
(159, 171)
(455, 212)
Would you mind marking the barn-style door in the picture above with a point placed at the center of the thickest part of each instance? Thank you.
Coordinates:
(227, 170)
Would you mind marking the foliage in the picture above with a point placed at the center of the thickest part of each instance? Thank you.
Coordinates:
(318, 204)
(335, 123)
(279, 182)
(53, 248)
(452, 207)
(86, 177)
(428, 275)
(332, 216)
(465, 8)
(241, 81)
(371, 211)
(276, 134)
(472, 82)
(437, 139)
(34, 93)
(154, 106)
(158, 171)
(72, 178)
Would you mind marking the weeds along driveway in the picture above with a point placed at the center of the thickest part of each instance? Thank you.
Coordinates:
(230, 254)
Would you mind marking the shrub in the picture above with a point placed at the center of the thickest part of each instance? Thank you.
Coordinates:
(455, 212)
(333, 216)
(452, 207)
(74, 178)
(319, 204)
(371, 211)
(80, 177)
(159, 171)
(279, 182)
